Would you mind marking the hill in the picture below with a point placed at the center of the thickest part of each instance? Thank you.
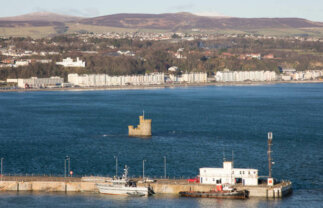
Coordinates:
(43, 24)
(177, 21)
(41, 16)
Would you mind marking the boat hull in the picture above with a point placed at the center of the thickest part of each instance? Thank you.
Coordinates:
(122, 190)
(218, 195)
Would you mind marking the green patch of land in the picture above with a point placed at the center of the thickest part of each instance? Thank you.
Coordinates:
(33, 32)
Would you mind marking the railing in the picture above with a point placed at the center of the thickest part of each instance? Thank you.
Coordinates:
(58, 177)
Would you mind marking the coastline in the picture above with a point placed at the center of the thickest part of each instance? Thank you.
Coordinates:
(141, 87)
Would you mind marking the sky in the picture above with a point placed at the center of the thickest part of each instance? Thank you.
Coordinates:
(308, 9)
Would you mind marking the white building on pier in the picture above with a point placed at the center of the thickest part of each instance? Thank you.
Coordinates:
(229, 175)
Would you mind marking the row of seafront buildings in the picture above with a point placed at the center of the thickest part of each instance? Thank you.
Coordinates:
(101, 80)
(267, 76)
(104, 80)
(241, 76)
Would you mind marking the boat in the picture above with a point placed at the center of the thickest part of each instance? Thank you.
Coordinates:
(225, 193)
(123, 186)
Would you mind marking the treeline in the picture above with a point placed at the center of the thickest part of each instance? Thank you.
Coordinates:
(158, 56)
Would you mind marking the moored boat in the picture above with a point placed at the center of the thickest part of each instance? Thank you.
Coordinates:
(123, 186)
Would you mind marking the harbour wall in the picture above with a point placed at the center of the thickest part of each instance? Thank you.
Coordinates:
(160, 187)
(174, 187)
(48, 186)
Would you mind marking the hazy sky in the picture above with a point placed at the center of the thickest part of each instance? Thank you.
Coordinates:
(310, 9)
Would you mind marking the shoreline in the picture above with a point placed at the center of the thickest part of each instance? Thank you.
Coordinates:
(163, 86)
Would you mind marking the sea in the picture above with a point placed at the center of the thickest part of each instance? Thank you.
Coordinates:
(192, 127)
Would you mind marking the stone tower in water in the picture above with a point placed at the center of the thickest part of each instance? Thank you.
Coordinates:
(143, 129)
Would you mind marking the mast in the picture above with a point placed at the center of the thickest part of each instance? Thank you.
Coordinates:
(270, 139)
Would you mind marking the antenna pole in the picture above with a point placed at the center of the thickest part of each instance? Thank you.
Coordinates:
(270, 139)
(232, 157)
(224, 156)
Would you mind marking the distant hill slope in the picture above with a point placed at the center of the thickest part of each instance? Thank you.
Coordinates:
(42, 16)
(174, 21)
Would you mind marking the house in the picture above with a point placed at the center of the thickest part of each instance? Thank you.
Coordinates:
(69, 62)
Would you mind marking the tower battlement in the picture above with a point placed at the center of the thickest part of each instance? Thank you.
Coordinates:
(142, 130)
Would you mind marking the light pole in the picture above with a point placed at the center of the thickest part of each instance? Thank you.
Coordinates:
(143, 169)
(67, 158)
(69, 166)
(1, 168)
(65, 168)
(165, 167)
(116, 157)
(270, 140)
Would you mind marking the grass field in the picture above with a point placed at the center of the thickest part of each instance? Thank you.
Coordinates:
(33, 32)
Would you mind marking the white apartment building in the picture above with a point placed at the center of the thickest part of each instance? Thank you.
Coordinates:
(241, 76)
(194, 77)
(35, 82)
(69, 62)
(228, 175)
(303, 75)
(101, 80)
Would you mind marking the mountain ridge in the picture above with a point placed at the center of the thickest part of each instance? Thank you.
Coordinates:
(166, 21)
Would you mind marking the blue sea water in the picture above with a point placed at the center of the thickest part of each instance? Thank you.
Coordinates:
(193, 127)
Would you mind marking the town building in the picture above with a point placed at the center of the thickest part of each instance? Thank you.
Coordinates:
(101, 80)
(173, 69)
(35, 82)
(69, 62)
(287, 70)
(241, 76)
(229, 175)
(193, 77)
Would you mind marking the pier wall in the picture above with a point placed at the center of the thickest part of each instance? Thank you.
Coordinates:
(277, 191)
(48, 186)
(160, 187)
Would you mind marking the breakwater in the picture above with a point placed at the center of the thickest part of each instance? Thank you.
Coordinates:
(162, 186)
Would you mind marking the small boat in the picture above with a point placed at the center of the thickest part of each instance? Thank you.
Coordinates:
(123, 186)
(225, 193)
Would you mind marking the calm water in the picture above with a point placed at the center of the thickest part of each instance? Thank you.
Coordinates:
(192, 127)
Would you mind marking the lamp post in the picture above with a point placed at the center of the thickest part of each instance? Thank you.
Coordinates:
(143, 169)
(165, 167)
(65, 168)
(1, 168)
(270, 140)
(69, 165)
(67, 159)
(116, 157)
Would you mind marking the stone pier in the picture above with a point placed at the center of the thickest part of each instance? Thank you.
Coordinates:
(161, 186)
